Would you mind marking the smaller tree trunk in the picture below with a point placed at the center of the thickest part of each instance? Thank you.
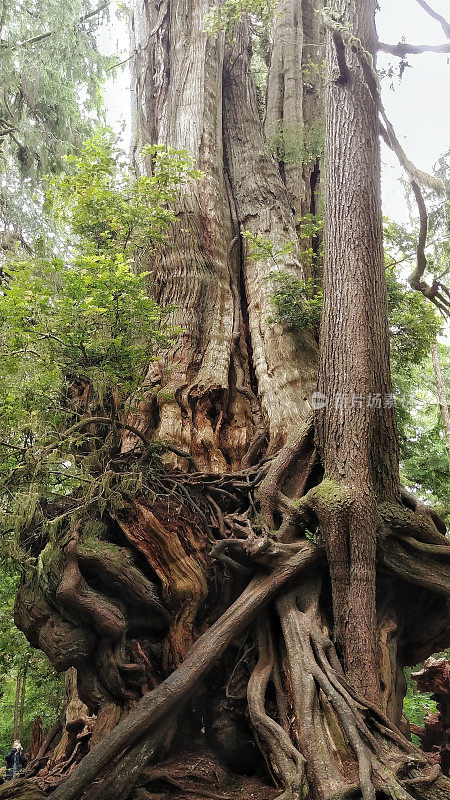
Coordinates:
(36, 738)
(356, 435)
(16, 702)
(442, 395)
(22, 698)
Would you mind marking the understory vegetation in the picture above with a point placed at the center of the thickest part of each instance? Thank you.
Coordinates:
(79, 328)
(43, 688)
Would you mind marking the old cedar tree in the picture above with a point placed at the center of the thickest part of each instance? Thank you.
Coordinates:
(277, 582)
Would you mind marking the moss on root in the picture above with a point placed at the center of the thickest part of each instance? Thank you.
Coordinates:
(328, 495)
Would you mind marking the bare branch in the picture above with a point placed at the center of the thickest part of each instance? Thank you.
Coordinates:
(438, 17)
(423, 231)
(367, 65)
(403, 49)
(415, 174)
(93, 13)
(437, 293)
(13, 446)
(84, 423)
(125, 61)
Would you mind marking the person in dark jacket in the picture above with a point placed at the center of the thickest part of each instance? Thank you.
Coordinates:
(15, 760)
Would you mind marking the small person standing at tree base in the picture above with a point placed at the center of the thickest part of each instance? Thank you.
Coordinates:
(15, 760)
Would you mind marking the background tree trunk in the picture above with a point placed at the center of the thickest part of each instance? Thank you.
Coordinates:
(441, 393)
(22, 699)
(17, 701)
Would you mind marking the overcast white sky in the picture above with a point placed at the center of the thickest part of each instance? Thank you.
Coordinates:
(418, 107)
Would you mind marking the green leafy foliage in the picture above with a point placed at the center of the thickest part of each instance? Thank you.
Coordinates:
(297, 145)
(230, 11)
(416, 705)
(424, 465)
(412, 321)
(107, 207)
(298, 303)
(438, 249)
(81, 324)
(261, 248)
(52, 73)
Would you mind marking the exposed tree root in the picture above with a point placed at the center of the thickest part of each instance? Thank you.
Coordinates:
(288, 457)
(199, 774)
(288, 762)
(176, 689)
(316, 731)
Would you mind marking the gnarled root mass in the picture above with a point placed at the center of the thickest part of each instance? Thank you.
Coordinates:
(199, 617)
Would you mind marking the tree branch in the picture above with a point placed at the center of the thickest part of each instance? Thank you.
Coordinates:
(415, 174)
(437, 293)
(438, 17)
(84, 423)
(47, 34)
(93, 13)
(104, 421)
(423, 233)
(125, 61)
(402, 48)
(13, 446)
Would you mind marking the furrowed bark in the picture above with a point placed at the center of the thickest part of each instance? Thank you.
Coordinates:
(294, 102)
(357, 440)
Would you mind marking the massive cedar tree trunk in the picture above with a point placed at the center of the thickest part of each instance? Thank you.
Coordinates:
(240, 620)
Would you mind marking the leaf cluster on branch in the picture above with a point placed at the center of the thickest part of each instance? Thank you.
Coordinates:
(79, 329)
(229, 11)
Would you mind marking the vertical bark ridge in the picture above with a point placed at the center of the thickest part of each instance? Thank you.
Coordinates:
(284, 361)
(284, 122)
(294, 106)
